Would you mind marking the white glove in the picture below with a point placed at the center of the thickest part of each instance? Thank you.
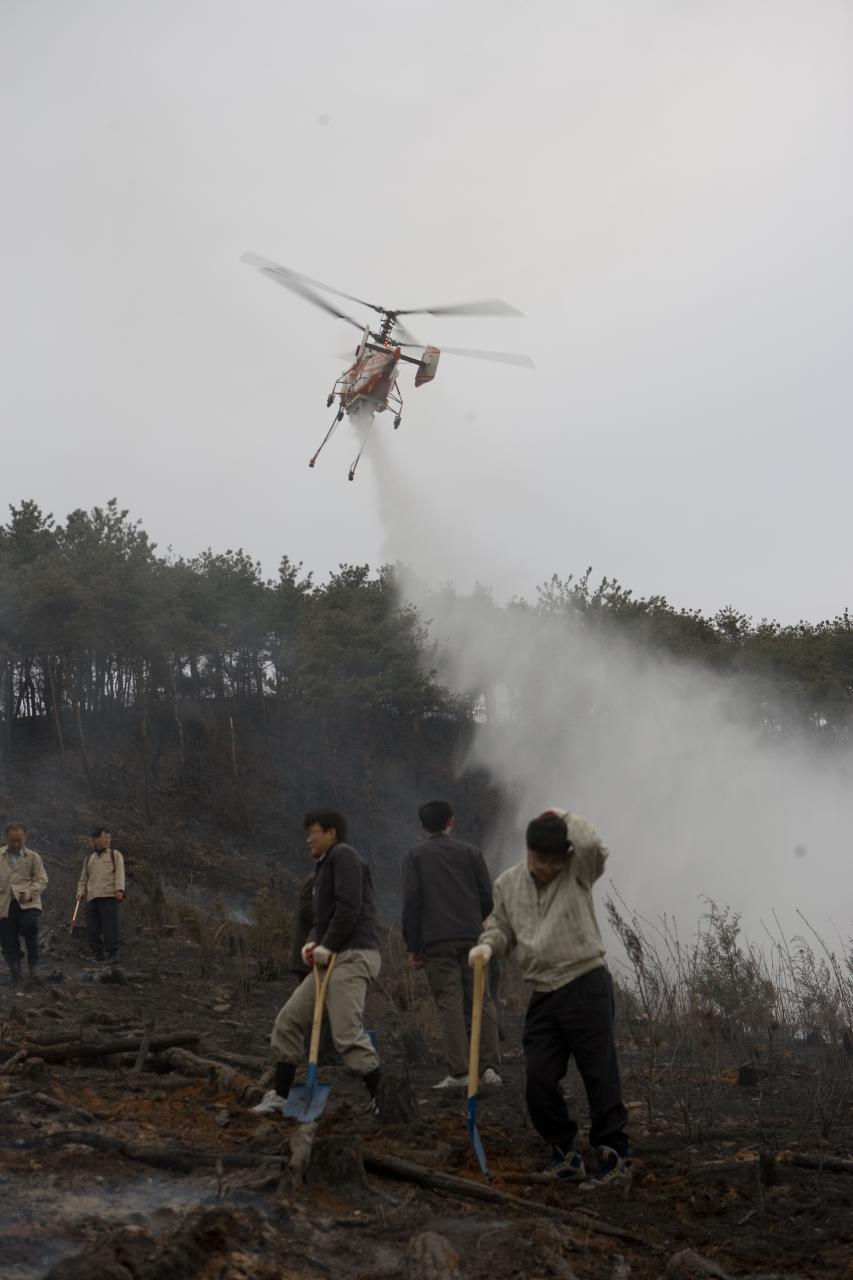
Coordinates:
(481, 952)
(307, 953)
(322, 955)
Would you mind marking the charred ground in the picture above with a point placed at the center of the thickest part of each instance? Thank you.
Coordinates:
(148, 1162)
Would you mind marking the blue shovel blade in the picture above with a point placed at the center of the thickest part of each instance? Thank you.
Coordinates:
(307, 1101)
(474, 1134)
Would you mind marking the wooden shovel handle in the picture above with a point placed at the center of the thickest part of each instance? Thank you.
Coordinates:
(476, 1026)
(320, 985)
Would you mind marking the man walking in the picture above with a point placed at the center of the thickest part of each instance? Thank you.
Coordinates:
(447, 894)
(101, 886)
(22, 882)
(544, 911)
(344, 926)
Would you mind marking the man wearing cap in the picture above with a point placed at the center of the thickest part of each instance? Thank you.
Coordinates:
(544, 911)
(22, 881)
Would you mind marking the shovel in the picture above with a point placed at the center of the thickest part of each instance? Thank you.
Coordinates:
(74, 927)
(307, 1101)
(474, 1061)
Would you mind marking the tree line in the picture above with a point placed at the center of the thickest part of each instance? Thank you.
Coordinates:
(216, 668)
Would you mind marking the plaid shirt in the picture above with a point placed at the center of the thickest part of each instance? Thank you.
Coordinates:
(552, 928)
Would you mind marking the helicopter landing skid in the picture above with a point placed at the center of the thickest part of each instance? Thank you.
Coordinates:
(351, 473)
(326, 437)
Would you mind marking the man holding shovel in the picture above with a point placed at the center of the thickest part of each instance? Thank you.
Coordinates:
(343, 932)
(544, 911)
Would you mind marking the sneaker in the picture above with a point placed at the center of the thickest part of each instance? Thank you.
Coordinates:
(490, 1076)
(565, 1166)
(452, 1082)
(610, 1167)
(271, 1101)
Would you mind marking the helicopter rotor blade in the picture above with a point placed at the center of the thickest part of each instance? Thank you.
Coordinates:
(485, 307)
(500, 357)
(284, 274)
(290, 281)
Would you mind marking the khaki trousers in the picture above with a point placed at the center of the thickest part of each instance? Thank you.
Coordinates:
(451, 981)
(345, 996)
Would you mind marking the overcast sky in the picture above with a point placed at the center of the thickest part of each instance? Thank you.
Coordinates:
(665, 189)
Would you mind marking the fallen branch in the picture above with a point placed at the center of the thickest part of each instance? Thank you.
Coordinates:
(13, 1061)
(131, 1045)
(832, 1164)
(174, 1159)
(249, 1062)
(226, 1077)
(409, 1172)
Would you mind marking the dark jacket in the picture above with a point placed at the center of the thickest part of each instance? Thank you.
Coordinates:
(344, 909)
(447, 892)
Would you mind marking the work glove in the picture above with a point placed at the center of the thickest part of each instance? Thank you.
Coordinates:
(481, 952)
(307, 953)
(322, 955)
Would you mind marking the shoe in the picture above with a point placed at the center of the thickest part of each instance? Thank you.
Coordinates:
(452, 1082)
(491, 1077)
(271, 1101)
(565, 1166)
(610, 1167)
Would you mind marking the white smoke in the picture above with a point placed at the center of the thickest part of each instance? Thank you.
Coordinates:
(691, 793)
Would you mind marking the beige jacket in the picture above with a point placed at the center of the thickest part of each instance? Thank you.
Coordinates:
(553, 929)
(26, 880)
(102, 875)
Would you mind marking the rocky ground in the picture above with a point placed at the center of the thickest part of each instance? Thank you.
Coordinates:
(130, 1151)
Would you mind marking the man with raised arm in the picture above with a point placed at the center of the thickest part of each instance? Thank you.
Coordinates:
(544, 912)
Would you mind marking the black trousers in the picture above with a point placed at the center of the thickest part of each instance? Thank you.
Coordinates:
(22, 923)
(575, 1021)
(102, 927)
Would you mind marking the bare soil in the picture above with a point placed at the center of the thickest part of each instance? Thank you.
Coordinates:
(86, 1188)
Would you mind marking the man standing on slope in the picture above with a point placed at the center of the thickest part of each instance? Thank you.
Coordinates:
(22, 881)
(447, 894)
(344, 926)
(544, 911)
(102, 887)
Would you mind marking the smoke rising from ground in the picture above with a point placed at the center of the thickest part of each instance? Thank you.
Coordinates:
(693, 798)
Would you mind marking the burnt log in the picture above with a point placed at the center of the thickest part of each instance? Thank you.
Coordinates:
(446, 1182)
(107, 1048)
(225, 1077)
(173, 1159)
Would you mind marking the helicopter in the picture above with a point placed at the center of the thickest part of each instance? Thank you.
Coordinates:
(369, 386)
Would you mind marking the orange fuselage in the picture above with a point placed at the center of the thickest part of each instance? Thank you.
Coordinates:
(370, 380)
